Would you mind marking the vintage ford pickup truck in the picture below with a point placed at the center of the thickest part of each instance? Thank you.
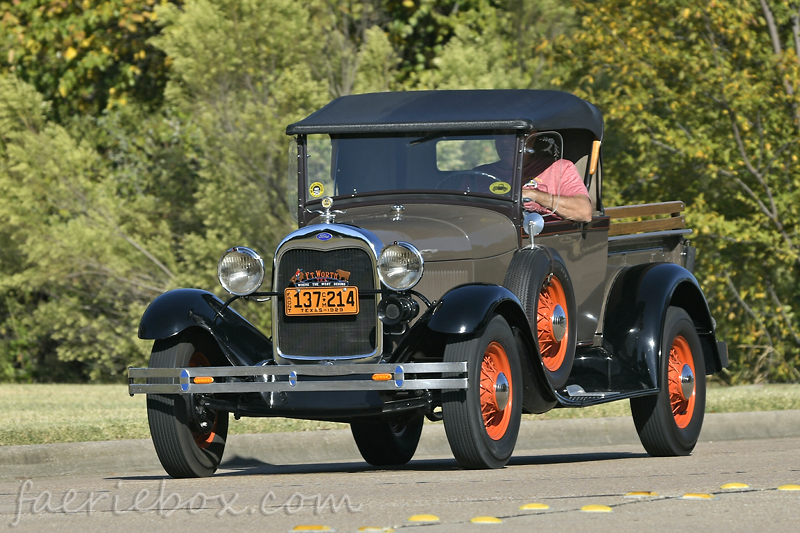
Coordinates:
(420, 284)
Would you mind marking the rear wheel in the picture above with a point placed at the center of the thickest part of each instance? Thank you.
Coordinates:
(669, 423)
(482, 422)
(188, 437)
(545, 291)
(388, 442)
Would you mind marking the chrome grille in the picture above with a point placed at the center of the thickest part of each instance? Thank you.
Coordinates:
(328, 336)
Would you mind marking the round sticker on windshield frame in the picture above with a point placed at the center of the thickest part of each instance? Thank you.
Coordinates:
(316, 189)
(500, 187)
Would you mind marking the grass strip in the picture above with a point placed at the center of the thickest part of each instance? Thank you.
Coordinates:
(39, 414)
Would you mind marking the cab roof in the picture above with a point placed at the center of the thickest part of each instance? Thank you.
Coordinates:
(430, 111)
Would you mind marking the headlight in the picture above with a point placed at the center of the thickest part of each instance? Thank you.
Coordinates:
(400, 266)
(240, 271)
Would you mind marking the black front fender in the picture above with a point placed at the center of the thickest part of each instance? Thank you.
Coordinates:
(634, 320)
(467, 309)
(180, 309)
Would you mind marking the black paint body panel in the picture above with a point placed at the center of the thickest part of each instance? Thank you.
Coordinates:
(635, 312)
(177, 310)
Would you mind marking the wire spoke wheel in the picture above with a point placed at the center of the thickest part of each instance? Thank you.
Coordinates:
(188, 437)
(496, 393)
(552, 322)
(680, 356)
(669, 422)
(482, 422)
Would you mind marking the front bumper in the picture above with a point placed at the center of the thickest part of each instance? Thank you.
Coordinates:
(295, 378)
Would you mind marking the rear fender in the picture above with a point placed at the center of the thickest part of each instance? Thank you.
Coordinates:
(180, 309)
(634, 320)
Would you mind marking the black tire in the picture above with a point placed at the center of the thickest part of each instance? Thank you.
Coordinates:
(527, 278)
(184, 447)
(479, 440)
(668, 423)
(388, 442)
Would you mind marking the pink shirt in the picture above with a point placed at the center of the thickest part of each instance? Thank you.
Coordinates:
(547, 180)
(546, 175)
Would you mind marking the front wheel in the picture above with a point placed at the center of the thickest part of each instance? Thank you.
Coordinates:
(188, 437)
(669, 423)
(482, 421)
(388, 442)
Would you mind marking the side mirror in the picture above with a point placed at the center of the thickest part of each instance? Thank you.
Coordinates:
(533, 224)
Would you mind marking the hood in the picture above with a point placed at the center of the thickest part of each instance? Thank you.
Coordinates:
(440, 232)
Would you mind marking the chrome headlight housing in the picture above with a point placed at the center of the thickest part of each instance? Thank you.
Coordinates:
(240, 271)
(400, 266)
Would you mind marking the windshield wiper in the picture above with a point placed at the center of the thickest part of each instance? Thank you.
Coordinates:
(427, 138)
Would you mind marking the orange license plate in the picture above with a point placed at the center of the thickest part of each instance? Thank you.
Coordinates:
(321, 301)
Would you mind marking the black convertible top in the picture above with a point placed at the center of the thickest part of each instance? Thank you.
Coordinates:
(429, 111)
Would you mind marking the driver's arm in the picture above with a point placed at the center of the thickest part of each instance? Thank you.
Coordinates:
(577, 208)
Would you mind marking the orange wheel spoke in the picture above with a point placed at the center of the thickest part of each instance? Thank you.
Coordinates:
(553, 351)
(680, 355)
(495, 362)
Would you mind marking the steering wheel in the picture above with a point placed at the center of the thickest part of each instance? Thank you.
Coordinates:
(473, 179)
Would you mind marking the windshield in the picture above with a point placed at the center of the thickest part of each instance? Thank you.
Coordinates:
(464, 164)
(350, 166)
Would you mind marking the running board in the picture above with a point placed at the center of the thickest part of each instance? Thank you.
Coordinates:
(576, 391)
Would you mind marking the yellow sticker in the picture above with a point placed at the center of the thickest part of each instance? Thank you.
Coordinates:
(316, 189)
(500, 187)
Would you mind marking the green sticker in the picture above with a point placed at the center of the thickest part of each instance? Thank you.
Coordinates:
(500, 187)
(316, 189)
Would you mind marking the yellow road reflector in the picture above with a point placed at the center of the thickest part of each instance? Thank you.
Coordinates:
(203, 380)
(728, 486)
(380, 529)
(597, 509)
(789, 487)
(309, 528)
(640, 494)
(381, 377)
(534, 507)
(697, 496)
(423, 518)
(486, 520)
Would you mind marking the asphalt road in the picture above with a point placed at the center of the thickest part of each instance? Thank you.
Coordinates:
(350, 496)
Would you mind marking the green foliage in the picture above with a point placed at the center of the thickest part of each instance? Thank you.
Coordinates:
(702, 106)
(87, 256)
(84, 56)
(103, 214)
(240, 94)
(139, 141)
(500, 47)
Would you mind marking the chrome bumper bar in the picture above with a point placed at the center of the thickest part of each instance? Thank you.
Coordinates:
(379, 377)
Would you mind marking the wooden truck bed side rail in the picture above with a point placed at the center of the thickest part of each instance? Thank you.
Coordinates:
(674, 221)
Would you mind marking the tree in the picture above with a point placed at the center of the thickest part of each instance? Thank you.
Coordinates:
(500, 46)
(84, 56)
(241, 86)
(702, 105)
(84, 253)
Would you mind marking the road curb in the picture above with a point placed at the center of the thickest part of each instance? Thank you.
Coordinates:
(130, 456)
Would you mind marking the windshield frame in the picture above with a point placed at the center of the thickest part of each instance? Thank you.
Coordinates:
(427, 194)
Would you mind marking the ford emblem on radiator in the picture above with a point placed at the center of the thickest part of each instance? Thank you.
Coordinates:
(324, 236)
